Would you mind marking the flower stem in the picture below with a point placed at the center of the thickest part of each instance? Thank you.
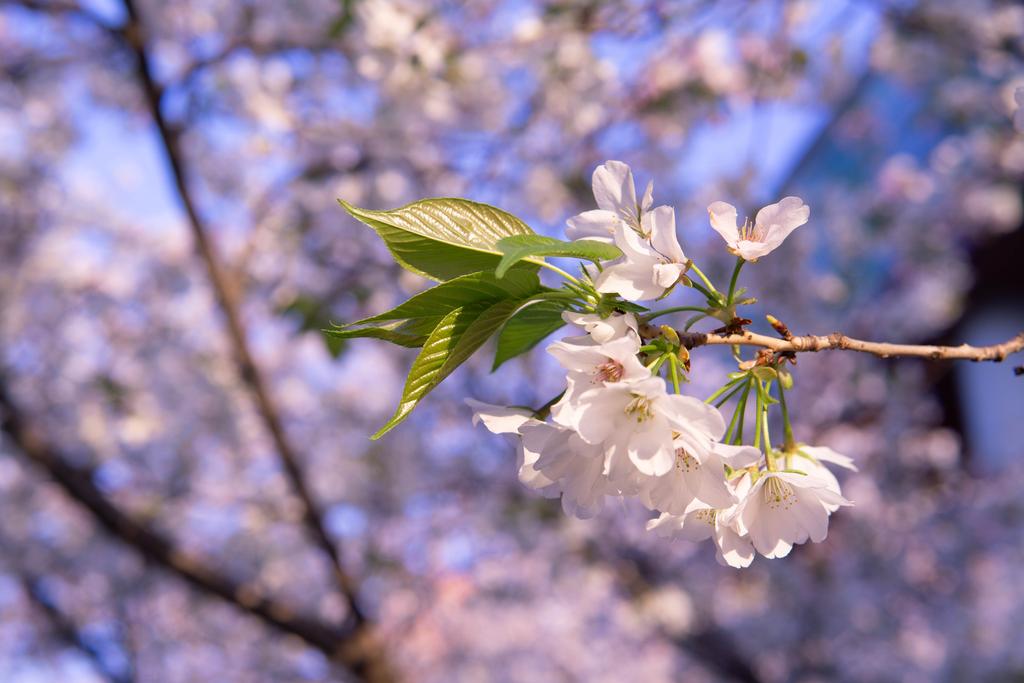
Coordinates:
(708, 295)
(735, 277)
(789, 443)
(655, 365)
(674, 309)
(739, 416)
(673, 371)
(725, 388)
(693, 321)
(762, 425)
(728, 396)
(757, 417)
(704, 278)
(556, 269)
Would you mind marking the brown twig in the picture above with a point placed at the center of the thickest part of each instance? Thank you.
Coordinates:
(836, 341)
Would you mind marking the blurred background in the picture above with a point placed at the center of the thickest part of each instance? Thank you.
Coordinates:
(187, 488)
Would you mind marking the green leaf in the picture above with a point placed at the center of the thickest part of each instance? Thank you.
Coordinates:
(461, 291)
(461, 332)
(443, 238)
(410, 324)
(411, 333)
(519, 247)
(524, 330)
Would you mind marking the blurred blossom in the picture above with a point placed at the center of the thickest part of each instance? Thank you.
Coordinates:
(900, 123)
(997, 206)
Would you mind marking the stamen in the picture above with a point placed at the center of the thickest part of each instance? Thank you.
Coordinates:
(609, 371)
(686, 462)
(752, 232)
(632, 219)
(640, 407)
(778, 495)
(706, 516)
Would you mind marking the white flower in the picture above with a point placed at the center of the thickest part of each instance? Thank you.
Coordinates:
(590, 363)
(809, 459)
(632, 420)
(785, 508)
(771, 226)
(616, 196)
(551, 459)
(652, 259)
(700, 522)
(502, 420)
(699, 472)
(577, 466)
(601, 329)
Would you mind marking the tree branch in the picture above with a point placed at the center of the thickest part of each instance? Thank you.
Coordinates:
(837, 341)
(68, 631)
(228, 300)
(78, 483)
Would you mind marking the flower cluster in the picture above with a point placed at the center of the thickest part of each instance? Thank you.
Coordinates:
(621, 430)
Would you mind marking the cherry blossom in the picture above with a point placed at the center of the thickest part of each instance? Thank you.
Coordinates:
(615, 193)
(590, 363)
(635, 419)
(698, 474)
(551, 459)
(811, 460)
(700, 522)
(504, 420)
(603, 329)
(771, 226)
(782, 509)
(576, 465)
(652, 260)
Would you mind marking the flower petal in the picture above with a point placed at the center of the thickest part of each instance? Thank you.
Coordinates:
(660, 224)
(648, 199)
(692, 414)
(734, 550)
(499, 419)
(597, 224)
(651, 450)
(723, 220)
(614, 190)
(826, 454)
(775, 221)
(736, 457)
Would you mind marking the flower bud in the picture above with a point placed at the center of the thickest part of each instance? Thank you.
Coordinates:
(670, 334)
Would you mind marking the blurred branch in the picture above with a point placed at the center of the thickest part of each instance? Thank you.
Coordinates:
(78, 483)
(227, 296)
(68, 631)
